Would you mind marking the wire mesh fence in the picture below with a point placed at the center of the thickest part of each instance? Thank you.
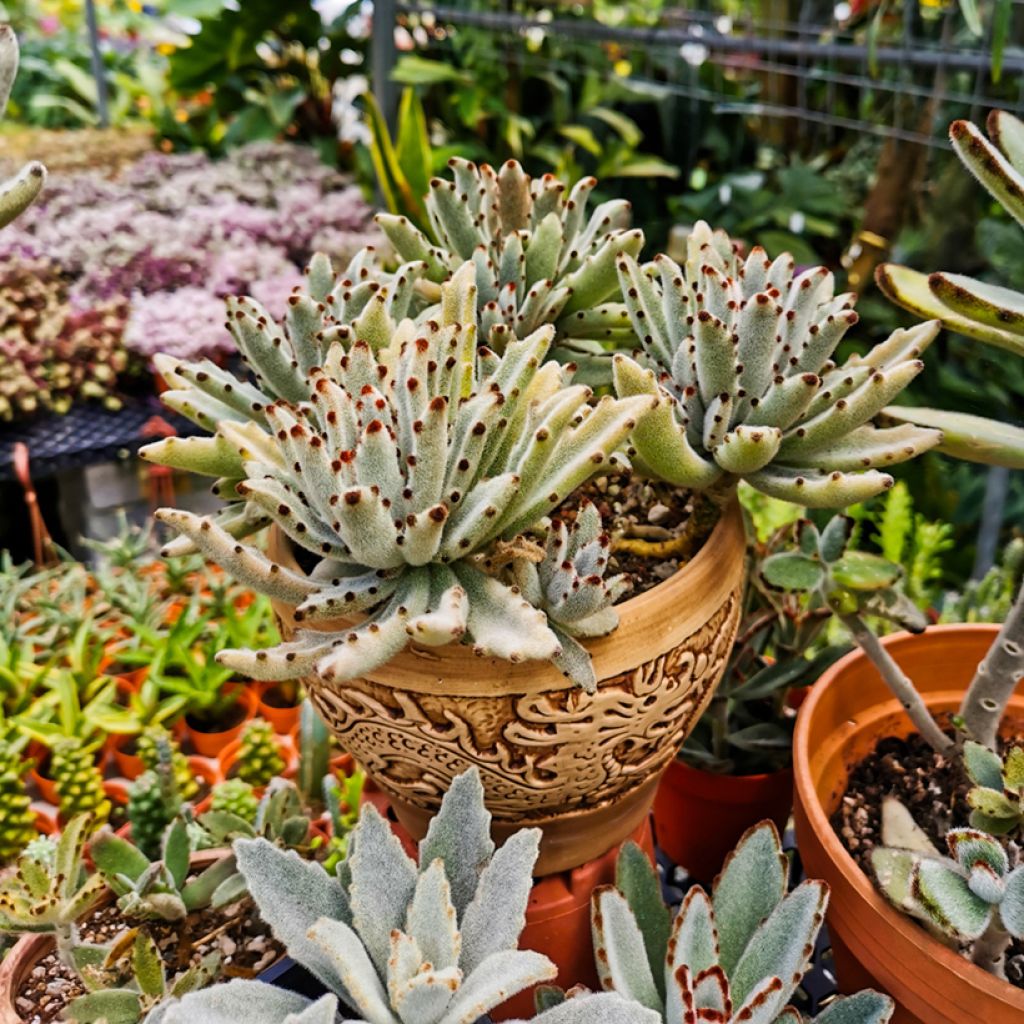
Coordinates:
(807, 71)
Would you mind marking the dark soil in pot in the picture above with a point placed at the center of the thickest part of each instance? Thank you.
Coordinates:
(242, 938)
(277, 697)
(231, 718)
(932, 788)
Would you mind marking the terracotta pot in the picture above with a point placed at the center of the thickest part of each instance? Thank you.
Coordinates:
(558, 923)
(283, 719)
(129, 766)
(583, 768)
(689, 799)
(848, 711)
(210, 744)
(30, 949)
(46, 820)
(45, 786)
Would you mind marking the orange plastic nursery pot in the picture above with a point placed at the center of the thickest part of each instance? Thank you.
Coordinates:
(689, 798)
(129, 765)
(45, 786)
(848, 711)
(283, 717)
(210, 744)
(581, 767)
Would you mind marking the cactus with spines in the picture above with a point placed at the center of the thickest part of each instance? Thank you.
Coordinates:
(259, 758)
(235, 797)
(18, 192)
(78, 780)
(398, 469)
(149, 745)
(153, 803)
(988, 313)
(396, 942)
(17, 820)
(738, 353)
(539, 258)
(736, 955)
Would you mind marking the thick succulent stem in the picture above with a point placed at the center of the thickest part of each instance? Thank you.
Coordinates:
(66, 936)
(989, 951)
(996, 679)
(898, 682)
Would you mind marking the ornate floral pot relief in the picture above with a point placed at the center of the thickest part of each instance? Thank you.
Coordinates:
(583, 767)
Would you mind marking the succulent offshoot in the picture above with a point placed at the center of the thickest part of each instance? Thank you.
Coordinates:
(738, 354)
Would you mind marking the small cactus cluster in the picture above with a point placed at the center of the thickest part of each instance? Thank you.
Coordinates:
(539, 258)
(17, 820)
(78, 780)
(259, 757)
(149, 745)
(734, 956)
(997, 794)
(397, 943)
(235, 797)
(154, 801)
(739, 354)
(985, 312)
(399, 466)
(18, 192)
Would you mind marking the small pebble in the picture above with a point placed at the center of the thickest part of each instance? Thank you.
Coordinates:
(658, 513)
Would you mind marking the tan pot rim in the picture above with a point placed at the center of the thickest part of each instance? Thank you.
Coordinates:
(903, 929)
(649, 625)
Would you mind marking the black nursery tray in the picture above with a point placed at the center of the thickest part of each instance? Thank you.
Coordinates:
(85, 435)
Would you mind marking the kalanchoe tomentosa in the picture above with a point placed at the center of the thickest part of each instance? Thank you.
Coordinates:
(401, 944)
(400, 468)
(539, 259)
(976, 896)
(739, 354)
(997, 796)
(736, 956)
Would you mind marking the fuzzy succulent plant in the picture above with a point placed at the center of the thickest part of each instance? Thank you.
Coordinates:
(734, 956)
(397, 943)
(52, 894)
(402, 463)
(985, 312)
(997, 794)
(738, 353)
(16, 193)
(259, 757)
(974, 896)
(160, 889)
(127, 980)
(539, 258)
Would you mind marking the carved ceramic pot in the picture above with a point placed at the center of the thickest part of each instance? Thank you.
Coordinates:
(582, 767)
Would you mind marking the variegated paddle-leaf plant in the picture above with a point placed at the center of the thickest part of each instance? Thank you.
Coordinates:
(399, 943)
(738, 354)
(988, 313)
(410, 467)
(18, 192)
(735, 956)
